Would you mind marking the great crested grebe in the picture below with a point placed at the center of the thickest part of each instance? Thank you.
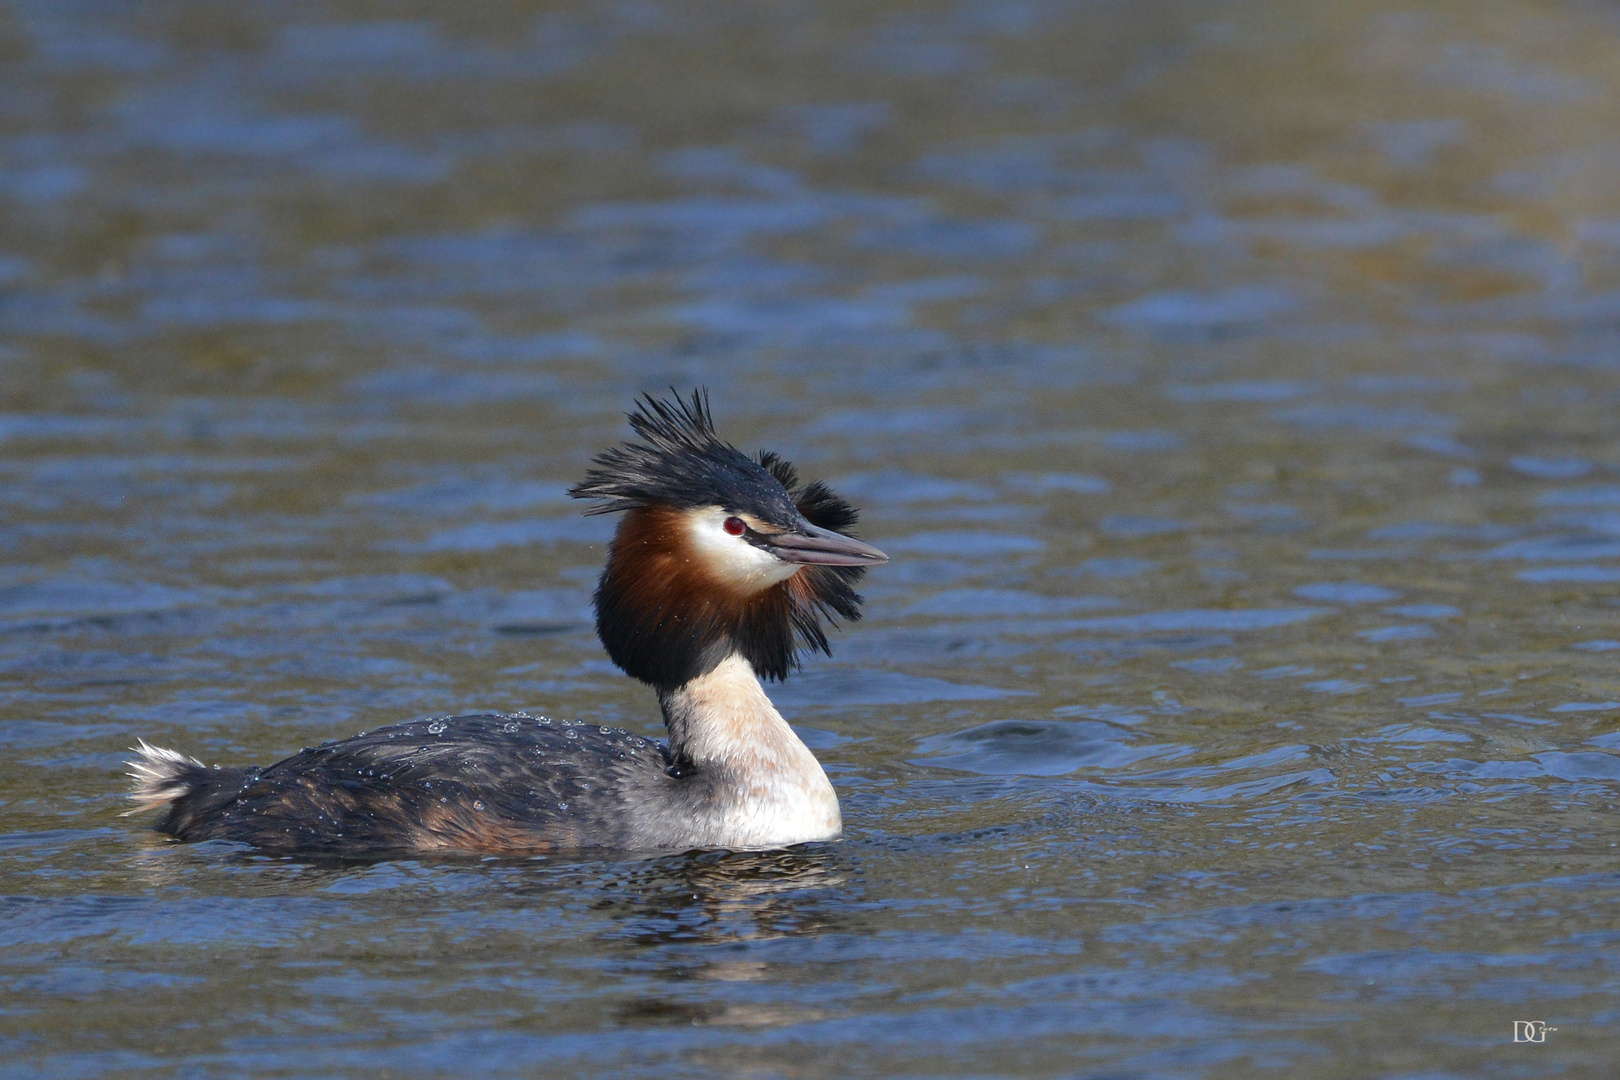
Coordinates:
(722, 569)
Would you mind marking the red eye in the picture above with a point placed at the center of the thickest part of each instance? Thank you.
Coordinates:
(736, 526)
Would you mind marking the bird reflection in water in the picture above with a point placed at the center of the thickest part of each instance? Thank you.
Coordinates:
(698, 920)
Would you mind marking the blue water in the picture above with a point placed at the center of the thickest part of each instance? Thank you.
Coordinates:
(1234, 387)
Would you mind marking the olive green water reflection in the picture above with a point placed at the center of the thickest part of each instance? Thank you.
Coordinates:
(1234, 385)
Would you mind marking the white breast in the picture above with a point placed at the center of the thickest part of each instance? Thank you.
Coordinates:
(781, 795)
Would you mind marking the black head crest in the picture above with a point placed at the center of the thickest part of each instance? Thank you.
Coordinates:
(680, 462)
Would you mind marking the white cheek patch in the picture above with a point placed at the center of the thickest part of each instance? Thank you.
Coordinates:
(732, 559)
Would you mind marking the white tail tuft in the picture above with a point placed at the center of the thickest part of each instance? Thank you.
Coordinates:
(158, 776)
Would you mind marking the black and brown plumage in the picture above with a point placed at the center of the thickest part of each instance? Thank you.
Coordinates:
(723, 569)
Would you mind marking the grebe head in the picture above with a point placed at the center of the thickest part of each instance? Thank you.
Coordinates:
(718, 553)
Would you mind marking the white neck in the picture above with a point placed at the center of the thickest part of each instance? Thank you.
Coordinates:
(775, 792)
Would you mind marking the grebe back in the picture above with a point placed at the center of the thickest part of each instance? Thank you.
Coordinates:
(721, 571)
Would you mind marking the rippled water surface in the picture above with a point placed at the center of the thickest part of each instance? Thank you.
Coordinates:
(1234, 386)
